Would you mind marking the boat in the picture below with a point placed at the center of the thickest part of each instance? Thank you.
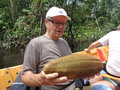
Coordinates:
(8, 75)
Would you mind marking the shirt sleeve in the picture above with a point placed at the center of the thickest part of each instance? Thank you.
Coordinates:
(105, 39)
(31, 58)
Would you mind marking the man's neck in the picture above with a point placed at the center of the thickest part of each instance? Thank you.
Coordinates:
(53, 38)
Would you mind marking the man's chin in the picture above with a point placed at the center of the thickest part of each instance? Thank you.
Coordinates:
(59, 35)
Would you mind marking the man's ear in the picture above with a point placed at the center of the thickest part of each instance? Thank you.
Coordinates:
(46, 22)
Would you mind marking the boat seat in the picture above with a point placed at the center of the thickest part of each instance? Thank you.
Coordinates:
(103, 55)
(5, 79)
(14, 71)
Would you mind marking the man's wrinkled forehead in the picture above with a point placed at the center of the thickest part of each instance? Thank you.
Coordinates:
(59, 17)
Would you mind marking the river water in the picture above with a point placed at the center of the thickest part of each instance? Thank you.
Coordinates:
(10, 58)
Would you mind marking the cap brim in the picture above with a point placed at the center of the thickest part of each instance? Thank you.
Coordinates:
(68, 18)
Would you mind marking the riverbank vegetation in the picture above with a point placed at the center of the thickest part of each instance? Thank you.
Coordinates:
(22, 20)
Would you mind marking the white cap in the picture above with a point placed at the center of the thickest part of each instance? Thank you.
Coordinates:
(55, 11)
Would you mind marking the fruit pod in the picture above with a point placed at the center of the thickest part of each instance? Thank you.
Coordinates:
(75, 66)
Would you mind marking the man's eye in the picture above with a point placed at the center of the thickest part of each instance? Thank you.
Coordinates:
(57, 23)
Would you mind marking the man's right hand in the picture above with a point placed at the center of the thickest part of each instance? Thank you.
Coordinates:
(33, 79)
(50, 79)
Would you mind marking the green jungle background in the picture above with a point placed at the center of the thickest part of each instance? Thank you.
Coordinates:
(22, 20)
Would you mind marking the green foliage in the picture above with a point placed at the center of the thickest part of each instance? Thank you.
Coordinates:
(22, 32)
(4, 24)
(22, 20)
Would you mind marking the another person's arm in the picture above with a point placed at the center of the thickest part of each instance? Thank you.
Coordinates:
(102, 41)
(93, 45)
(33, 80)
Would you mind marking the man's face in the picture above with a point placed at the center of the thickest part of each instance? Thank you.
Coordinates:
(56, 26)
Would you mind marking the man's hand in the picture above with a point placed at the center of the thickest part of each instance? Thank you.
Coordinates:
(87, 50)
(32, 79)
(49, 79)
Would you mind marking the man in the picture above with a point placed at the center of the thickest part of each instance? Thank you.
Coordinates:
(113, 63)
(44, 49)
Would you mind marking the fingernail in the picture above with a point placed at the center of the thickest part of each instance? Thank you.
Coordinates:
(64, 78)
(56, 74)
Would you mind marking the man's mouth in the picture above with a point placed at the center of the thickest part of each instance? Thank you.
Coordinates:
(59, 31)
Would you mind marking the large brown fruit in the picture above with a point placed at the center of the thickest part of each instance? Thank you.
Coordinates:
(75, 66)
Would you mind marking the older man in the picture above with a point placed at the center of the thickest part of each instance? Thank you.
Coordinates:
(44, 49)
